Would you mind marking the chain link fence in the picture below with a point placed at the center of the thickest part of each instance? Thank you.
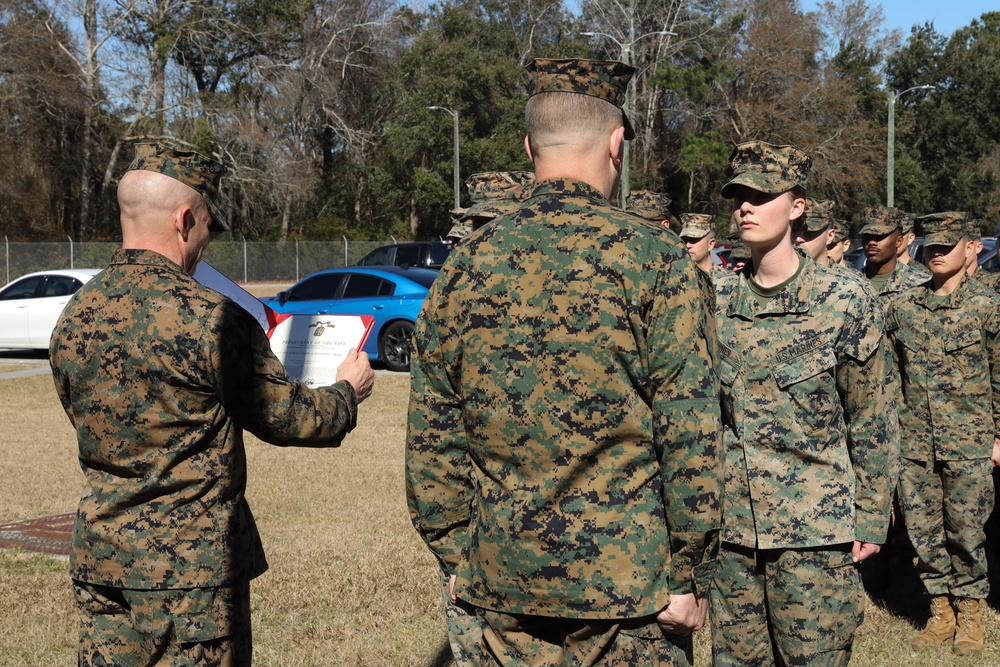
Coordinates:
(242, 261)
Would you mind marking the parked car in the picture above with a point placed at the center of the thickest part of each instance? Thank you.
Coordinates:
(393, 295)
(855, 258)
(425, 254)
(720, 255)
(31, 305)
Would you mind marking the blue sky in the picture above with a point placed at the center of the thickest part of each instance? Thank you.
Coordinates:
(947, 16)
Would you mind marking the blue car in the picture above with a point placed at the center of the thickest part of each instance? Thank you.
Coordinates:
(393, 295)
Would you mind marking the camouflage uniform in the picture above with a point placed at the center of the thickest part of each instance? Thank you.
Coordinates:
(698, 226)
(991, 280)
(159, 376)
(880, 220)
(949, 415)
(740, 252)
(493, 193)
(840, 234)
(654, 206)
(562, 445)
(807, 450)
(459, 229)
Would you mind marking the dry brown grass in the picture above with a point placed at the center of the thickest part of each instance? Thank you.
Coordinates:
(11, 368)
(350, 583)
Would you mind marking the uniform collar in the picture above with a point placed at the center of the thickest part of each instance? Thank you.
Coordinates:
(568, 186)
(796, 297)
(926, 298)
(144, 257)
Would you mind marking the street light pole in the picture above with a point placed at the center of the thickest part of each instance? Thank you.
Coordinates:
(458, 191)
(626, 58)
(890, 160)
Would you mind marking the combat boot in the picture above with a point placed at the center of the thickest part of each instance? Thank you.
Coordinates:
(940, 626)
(969, 635)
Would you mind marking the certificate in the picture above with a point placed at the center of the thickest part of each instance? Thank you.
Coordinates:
(311, 347)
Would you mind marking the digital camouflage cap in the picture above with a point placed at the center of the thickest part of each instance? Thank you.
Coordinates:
(818, 215)
(905, 220)
(839, 232)
(767, 168)
(604, 79)
(740, 251)
(696, 225)
(879, 221)
(497, 193)
(653, 206)
(946, 228)
(190, 168)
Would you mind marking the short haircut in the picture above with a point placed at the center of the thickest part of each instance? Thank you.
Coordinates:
(555, 114)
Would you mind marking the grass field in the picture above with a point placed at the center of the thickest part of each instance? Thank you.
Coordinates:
(350, 583)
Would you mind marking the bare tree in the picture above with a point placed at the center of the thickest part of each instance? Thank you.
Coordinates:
(100, 24)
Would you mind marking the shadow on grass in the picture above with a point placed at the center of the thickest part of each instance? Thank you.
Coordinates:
(443, 657)
(891, 580)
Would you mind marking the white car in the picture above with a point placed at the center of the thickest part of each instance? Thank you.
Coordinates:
(30, 306)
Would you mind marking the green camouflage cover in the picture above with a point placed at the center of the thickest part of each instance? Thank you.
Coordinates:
(648, 204)
(818, 215)
(562, 454)
(160, 376)
(496, 193)
(604, 79)
(945, 228)
(767, 168)
(949, 360)
(808, 442)
(696, 225)
(905, 220)
(840, 231)
(879, 220)
(740, 251)
(190, 168)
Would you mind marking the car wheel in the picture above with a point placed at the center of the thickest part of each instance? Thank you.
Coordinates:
(395, 345)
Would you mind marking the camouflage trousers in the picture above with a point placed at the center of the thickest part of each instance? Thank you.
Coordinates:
(208, 627)
(945, 507)
(784, 606)
(465, 630)
(535, 641)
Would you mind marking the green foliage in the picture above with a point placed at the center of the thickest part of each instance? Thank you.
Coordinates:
(949, 138)
(321, 106)
(859, 65)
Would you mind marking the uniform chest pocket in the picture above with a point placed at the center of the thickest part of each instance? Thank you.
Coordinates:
(809, 386)
(906, 337)
(965, 347)
(804, 367)
(729, 366)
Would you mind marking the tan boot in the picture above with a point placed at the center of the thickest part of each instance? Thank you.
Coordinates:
(969, 635)
(940, 627)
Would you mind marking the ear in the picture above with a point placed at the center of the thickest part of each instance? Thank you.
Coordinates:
(830, 233)
(616, 145)
(798, 208)
(527, 148)
(184, 222)
(711, 244)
